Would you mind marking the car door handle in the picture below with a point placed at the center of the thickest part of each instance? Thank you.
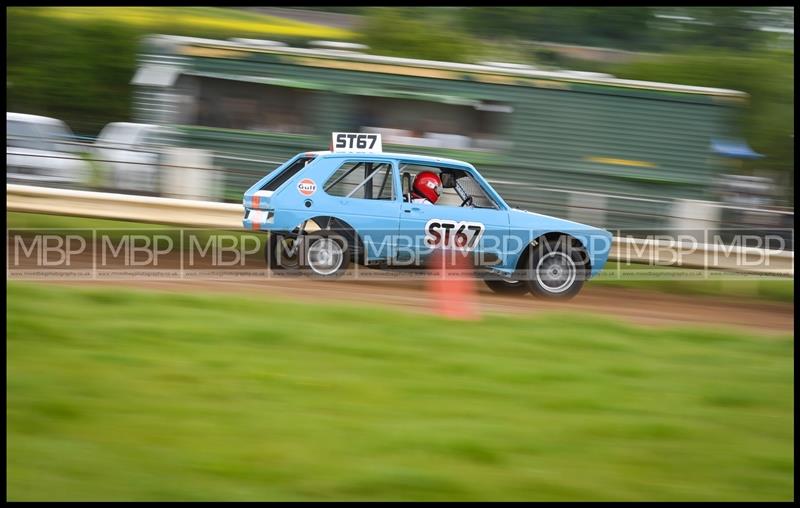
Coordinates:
(412, 209)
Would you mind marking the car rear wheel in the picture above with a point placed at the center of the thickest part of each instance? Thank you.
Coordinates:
(507, 287)
(326, 254)
(556, 269)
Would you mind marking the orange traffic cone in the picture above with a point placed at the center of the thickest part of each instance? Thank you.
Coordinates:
(452, 286)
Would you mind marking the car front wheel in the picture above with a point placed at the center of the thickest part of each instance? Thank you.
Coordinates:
(282, 253)
(556, 269)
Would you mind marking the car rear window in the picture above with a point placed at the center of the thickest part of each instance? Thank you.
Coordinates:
(287, 173)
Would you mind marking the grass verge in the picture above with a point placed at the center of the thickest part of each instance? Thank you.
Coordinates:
(128, 395)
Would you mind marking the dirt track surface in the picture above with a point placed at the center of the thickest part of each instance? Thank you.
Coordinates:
(384, 289)
(639, 307)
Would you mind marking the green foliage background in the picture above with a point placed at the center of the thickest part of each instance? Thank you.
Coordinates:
(402, 32)
(627, 28)
(78, 72)
(64, 63)
(79, 69)
(767, 75)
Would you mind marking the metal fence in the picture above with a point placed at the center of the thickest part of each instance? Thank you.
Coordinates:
(230, 174)
(195, 213)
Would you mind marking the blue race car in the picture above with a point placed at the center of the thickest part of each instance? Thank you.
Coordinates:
(357, 204)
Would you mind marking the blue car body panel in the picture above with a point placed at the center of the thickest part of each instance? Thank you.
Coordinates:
(385, 222)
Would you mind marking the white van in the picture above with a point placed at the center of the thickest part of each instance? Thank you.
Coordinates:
(130, 154)
(43, 151)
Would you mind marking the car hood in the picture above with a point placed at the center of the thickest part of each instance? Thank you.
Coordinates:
(523, 219)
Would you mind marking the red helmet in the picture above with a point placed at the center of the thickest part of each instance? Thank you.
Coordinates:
(428, 185)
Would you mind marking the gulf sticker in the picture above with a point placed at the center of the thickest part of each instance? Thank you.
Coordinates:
(306, 187)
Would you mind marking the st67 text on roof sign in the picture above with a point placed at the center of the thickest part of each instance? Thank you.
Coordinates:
(356, 143)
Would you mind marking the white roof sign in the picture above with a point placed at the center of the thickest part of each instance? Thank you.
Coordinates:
(354, 142)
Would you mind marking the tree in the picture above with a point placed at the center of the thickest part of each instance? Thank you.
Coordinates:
(608, 26)
(767, 122)
(76, 72)
(712, 27)
(405, 32)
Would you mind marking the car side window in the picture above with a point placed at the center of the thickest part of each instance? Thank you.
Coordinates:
(362, 180)
(459, 189)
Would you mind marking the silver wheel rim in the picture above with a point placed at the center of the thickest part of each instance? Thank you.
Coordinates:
(556, 272)
(325, 256)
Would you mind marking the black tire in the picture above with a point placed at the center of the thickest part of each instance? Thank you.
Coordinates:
(508, 287)
(326, 254)
(282, 253)
(556, 269)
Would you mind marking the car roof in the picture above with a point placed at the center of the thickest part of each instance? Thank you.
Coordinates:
(32, 118)
(423, 159)
(131, 124)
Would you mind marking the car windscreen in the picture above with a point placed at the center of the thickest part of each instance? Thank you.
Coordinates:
(59, 135)
(466, 186)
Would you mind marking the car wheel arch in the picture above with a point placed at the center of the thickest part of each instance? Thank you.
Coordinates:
(329, 222)
(549, 237)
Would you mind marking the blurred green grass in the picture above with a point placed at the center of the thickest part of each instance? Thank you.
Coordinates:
(54, 221)
(122, 394)
(675, 281)
(687, 281)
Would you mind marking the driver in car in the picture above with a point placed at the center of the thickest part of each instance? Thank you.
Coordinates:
(427, 188)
